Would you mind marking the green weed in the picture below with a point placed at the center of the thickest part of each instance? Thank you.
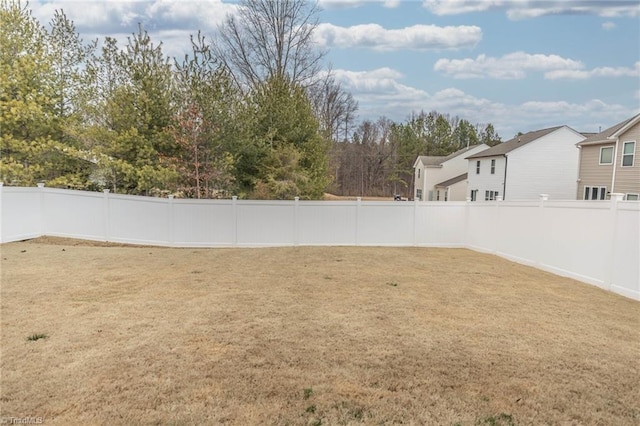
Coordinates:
(37, 336)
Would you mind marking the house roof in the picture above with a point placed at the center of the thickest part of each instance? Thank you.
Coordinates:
(515, 143)
(453, 180)
(430, 160)
(437, 160)
(609, 135)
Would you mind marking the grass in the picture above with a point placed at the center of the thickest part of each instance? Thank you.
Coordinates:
(140, 335)
(37, 336)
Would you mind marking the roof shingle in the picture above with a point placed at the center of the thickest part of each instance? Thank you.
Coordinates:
(514, 143)
(607, 133)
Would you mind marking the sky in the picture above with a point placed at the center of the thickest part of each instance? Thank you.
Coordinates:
(520, 65)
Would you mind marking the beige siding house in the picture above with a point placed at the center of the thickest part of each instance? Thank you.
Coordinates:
(610, 163)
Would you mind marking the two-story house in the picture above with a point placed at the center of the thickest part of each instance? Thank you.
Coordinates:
(538, 162)
(609, 162)
(443, 178)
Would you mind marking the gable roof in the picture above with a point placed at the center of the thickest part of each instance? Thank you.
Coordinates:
(515, 143)
(609, 135)
(453, 180)
(437, 160)
(430, 160)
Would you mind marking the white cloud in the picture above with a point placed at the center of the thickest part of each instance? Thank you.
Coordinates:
(381, 92)
(417, 37)
(94, 14)
(104, 16)
(208, 13)
(168, 21)
(608, 25)
(380, 83)
(518, 9)
(340, 4)
(511, 66)
(612, 72)
(347, 4)
(391, 4)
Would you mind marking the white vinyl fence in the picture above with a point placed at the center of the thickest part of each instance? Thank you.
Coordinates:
(597, 242)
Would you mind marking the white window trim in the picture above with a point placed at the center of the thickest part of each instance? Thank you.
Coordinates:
(633, 154)
(590, 190)
(636, 195)
(493, 167)
(478, 167)
(491, 195)
(600, 157)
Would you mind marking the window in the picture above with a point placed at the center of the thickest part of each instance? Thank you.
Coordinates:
(628, 151)
(632, 197)
(493, 167)
(474, 194)
(491, 195)
(595, 193)
(438, 195)
(419, 194)
(606, 155)
(418, 173)
(478, 167)
(446, 195)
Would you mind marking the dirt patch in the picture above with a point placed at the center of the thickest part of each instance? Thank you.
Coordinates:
(307, 335)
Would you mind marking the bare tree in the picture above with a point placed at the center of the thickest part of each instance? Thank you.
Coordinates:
(271, 39)
(335, 108)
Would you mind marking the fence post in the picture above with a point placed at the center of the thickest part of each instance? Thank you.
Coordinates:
(106, 215)
(234, 225)
(467, 219)
(609, 267)
(542, 198)
(415, 220)
(497, 235)
(1, 194)
(296, 225)
(171, 220)
(358, 207)
(42, 227)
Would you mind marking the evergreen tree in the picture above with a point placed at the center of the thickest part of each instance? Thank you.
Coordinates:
(292, 152)
(31, 145)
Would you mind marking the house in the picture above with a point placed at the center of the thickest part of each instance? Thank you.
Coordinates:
(442, 178)
(609, 162)
(539, 162)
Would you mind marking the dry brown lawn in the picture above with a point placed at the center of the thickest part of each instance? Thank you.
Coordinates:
(309, 336)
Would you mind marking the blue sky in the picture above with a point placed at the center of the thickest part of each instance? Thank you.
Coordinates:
(521, 65)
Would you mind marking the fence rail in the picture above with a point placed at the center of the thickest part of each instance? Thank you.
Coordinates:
(593, 241)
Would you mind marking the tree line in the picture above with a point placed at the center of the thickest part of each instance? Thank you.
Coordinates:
(252, 113)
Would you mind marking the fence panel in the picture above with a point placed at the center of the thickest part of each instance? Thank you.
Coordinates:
(576, 241)
(78, 214)
(327, 223)
(265, 223)
(138, 220)
(440, 224)
(20, 214)
(385, 223)
(516, 228)
(202, 223)
(625, 250)
(482, 227)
